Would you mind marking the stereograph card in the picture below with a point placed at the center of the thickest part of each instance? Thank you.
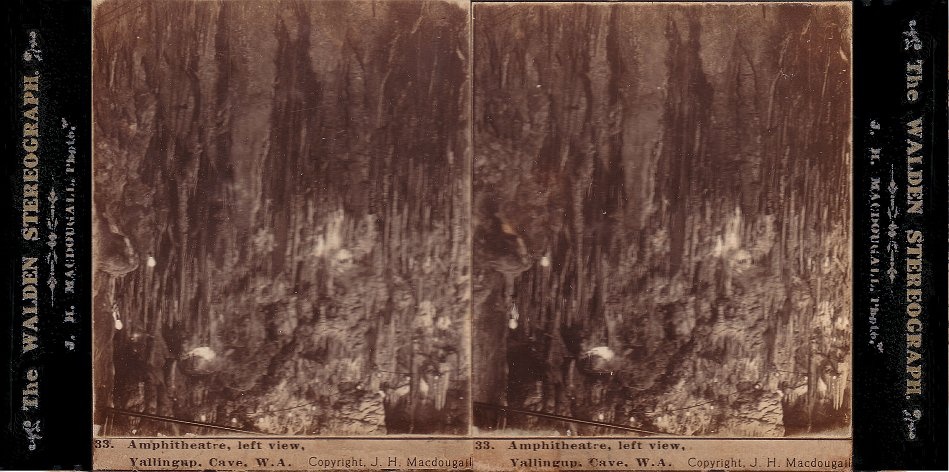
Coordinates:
(441, 234)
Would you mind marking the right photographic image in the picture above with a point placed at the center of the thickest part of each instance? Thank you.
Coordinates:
(661, 219)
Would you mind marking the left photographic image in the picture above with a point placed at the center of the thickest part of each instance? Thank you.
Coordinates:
(281, 217)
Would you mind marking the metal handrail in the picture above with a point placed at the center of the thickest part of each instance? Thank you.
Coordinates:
(566, 418)
(169, 419)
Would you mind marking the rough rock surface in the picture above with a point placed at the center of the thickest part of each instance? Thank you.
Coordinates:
(299, 176)
(683, 173)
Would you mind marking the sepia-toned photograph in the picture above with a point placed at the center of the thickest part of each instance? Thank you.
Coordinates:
(477, 235)
(335, 218)
(281, 217)
(661, 219)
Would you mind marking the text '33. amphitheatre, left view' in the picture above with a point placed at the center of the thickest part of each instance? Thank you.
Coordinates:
(281, 217)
